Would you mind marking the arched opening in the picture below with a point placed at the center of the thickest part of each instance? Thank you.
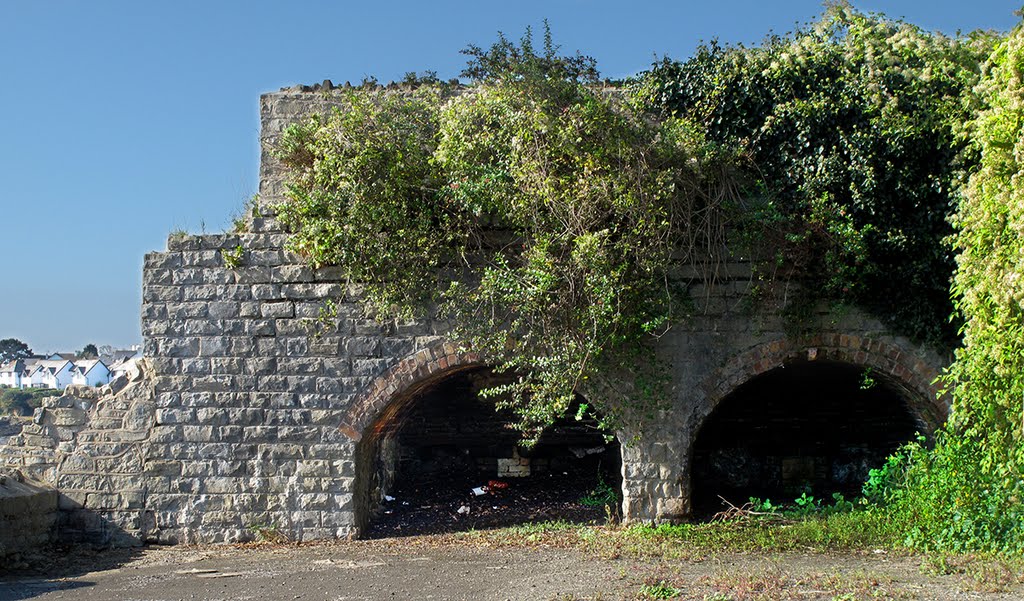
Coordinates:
(815, 426)
(421, 460)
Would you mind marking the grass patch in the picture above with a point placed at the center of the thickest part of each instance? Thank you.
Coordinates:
(982, 573)
(849, 531)
(771, 585)
(852, 531)
(768, 583)
(659, 590)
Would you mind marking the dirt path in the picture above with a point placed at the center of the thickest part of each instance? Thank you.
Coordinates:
(429, 568)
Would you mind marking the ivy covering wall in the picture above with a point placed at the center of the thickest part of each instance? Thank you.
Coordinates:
(851, 130)
(539, 212)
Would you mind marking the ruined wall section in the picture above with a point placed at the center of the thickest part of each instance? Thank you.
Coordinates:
(278, 110)
(90, 444)
(260, 401)
(28, 514)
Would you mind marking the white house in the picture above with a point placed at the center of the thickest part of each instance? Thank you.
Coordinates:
(123, 361)
(90, 372)
(16, 373)
(48, 373)
(10, 373)
(59, 370)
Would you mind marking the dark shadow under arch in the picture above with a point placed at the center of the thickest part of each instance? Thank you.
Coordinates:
(434, 440)
(808, 425)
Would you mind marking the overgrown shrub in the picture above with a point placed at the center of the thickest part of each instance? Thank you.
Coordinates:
(850, 129)
(543, 215)
(968, 493)
(540, 213)
(23, 401)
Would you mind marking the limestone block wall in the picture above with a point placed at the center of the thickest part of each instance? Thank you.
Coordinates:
(724, 345)
(251, 387)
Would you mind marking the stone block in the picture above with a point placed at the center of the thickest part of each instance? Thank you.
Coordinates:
(177, 347)
(252, 274)
(295, 346)
(311, 291)
(201, 258)
(277, 309)
(249, 309)
(159, 277)
(363, 346)
(162, 294)
(336, 367)
(301, 384)
(299, 366)
(369, 367)
(67, 417)
(242, 346)
(213, 346)
(329, 386)
(223, 309)
(196, 433)
(325, 345)
(163, 468)
(292, 273)
(265, 292)
(161, 260)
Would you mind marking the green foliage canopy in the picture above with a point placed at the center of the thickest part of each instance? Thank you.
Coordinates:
(19, 401)
(851, 130)
(12, 348)
(968, 493)
(540, 213)
(543, 215)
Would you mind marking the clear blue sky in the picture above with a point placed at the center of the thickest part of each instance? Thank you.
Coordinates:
(124, 120)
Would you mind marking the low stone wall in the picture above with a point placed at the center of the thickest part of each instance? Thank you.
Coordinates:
(28, 514)
(92, 444)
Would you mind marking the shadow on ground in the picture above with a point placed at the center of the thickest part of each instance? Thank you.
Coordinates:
(35, 573)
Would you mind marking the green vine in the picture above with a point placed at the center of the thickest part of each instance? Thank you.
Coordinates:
(537, 212)
(544, 215)
(851, 129)
(968, 493)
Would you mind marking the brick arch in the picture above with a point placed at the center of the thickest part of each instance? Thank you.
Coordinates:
(380, 404)
(404, 380)
(899, 366)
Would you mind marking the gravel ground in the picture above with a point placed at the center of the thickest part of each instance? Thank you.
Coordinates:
(439, 567)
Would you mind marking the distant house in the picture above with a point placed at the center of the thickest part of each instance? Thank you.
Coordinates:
(90, 372)
(48, 373)
(58, 370)
(10, 373)
(122, 361)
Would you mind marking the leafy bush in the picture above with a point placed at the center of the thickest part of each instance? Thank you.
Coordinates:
(541, 214)
(603, 495)
(544, 215)
(23, 401)
(968, 493)
(850, 129)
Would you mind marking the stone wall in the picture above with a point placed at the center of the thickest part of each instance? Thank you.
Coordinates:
(260, 413)
(28, 514)
(93, 446)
